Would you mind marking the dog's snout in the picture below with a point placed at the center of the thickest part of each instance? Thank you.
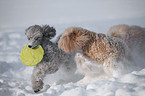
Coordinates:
(29, 46)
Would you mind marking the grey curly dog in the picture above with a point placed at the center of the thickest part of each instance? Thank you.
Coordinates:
(53, 56)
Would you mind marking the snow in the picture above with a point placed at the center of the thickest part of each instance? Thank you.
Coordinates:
(95, 15)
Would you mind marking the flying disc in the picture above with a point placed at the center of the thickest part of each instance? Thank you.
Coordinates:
(31, 57)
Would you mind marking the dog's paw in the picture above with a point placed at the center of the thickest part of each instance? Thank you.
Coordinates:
(37, 86)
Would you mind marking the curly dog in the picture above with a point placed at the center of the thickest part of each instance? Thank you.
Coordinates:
(134, 36)
(105, 50)
(53, 56)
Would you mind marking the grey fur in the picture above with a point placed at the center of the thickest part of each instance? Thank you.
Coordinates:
(53, 56)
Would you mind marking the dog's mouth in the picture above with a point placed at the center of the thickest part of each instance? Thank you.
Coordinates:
(30, 46)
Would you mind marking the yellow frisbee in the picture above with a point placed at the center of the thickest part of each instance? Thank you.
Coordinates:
(31, 57)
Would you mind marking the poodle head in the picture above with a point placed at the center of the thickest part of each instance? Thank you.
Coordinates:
(126, 32)
(119, 31)
(35, 34)
(73, 38)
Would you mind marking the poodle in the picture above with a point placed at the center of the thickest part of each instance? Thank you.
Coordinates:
(53, 58)
(134, 36)
(98, 51)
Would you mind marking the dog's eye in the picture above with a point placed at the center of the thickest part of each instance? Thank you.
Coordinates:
(37, 38)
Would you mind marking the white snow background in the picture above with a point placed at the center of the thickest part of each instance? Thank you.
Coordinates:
(95, 15)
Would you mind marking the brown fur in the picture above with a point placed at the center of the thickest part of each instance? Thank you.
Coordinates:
(97, 46)
(134, 36)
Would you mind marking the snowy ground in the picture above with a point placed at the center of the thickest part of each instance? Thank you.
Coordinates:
(98, 16)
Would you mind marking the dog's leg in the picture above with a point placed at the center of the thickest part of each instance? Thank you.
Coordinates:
(39, 72)
(113, 68)
(37, 77)
(107, 69)
(90, 68)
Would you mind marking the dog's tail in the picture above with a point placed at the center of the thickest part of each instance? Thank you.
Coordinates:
(73, 38)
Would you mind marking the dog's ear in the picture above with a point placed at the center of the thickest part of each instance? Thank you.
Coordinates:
(73, 38)
(48, 32)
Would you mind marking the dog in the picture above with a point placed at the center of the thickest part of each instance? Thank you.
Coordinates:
(97, 51)
(134, 36)
(53, 58)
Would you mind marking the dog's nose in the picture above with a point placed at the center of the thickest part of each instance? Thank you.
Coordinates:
(29, 46)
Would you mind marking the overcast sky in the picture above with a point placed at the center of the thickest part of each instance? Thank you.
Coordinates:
(19, 13)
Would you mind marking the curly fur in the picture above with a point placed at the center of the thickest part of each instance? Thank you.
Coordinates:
(53, 56)
(134, 36)
(96, 46)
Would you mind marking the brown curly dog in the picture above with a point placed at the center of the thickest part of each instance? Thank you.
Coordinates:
(105, 50)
